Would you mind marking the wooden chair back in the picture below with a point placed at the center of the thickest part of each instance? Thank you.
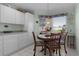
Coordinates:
(64, 36)
(55, 39)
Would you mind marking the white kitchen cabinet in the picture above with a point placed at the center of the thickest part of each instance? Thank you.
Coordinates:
(10, 15)
(22, 18)
(1, 45)
(7, 14)
(29, 22)
(23, 40)
(29, 25)
(10, 44)
(19, 17)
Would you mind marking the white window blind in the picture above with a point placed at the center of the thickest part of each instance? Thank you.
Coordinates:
(58, 22)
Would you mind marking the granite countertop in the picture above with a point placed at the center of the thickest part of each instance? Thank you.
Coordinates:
(14, 32)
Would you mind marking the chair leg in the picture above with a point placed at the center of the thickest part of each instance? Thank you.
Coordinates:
(59, 53)
(50, 53)
(65, 49)
(45, 50)
(59, 50)
(56, 51)
(34, 50)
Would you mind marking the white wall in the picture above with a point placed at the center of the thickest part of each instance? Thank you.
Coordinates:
(77, 27)
(71, 24)
(36, 25)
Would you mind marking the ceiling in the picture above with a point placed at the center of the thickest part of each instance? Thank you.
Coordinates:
(45, 8)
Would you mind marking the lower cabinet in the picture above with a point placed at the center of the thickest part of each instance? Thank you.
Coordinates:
(10, 44)
(30, 37)
(22, 40)
(1, 45)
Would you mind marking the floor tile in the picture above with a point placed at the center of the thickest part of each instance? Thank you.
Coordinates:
(28, 51)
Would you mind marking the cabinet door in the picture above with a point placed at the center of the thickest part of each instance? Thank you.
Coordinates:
(29, 20)
(26, 22)
(26, 40)
(22, 18)
(22, 40)
(10, 44)
(1, 45)
(19, 17)
(7, 14)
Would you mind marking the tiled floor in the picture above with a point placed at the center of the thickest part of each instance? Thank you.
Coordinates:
(28, 51)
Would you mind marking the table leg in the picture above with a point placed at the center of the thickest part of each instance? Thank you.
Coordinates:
(44, 48)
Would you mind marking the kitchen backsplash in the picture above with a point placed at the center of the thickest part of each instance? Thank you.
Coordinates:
(10, 27)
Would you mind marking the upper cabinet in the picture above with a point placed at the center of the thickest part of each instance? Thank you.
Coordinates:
(29, 22)
(7, 14)
(19, 17)
(10, 15)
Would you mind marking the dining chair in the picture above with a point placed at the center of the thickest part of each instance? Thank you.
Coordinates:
(36, 43)
(64, 40)
(54, 43)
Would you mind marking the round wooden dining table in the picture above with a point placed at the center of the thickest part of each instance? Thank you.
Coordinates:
(45, 38)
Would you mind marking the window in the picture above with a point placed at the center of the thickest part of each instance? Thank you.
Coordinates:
(58, 22)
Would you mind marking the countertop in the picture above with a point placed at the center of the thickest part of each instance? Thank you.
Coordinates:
(16, 32)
